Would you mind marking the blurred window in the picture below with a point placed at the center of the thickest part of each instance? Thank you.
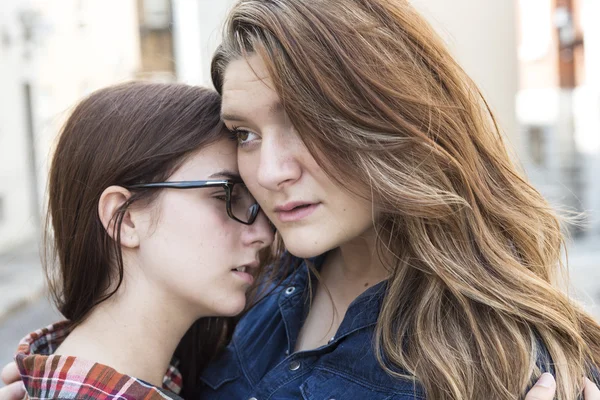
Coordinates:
(537, 145)
(536, 29)
(156, 14)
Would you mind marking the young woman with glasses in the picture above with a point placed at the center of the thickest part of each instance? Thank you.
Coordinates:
(150, 230)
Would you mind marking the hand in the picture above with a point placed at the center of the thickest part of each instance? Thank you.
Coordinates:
(14, 389)
(590, 391)
(546, 386)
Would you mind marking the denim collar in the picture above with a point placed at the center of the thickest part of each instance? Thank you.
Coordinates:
(294, 300)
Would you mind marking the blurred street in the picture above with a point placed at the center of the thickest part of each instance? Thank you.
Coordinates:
(15, 326)
(23, 303)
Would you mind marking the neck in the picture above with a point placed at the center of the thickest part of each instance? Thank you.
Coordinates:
(359, 259)
(354, 267)
(135, 332)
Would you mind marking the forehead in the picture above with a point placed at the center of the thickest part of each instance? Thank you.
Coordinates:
(247, 87)
(218, 156)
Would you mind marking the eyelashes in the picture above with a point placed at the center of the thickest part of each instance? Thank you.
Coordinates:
(241, 135)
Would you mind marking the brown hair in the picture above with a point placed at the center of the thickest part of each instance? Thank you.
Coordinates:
(122, 135)
(375, 95)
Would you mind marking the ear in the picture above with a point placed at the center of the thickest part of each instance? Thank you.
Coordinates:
(110, 201)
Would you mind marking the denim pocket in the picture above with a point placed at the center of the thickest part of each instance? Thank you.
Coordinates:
(328, 385)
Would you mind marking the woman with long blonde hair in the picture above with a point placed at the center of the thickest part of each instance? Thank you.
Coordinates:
(370, 149)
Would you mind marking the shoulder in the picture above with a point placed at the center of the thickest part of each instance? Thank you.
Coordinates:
(545, 363)
(44, 341)
(86, 379)
(44, 372)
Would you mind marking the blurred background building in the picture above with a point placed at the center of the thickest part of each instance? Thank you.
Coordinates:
(536, 61)
(51, 54)
(558, 103)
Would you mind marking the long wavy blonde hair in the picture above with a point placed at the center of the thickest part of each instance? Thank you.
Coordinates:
(471, 306)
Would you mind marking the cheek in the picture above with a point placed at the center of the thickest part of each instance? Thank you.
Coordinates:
(357, 212)
(194, 228)
(248, 164)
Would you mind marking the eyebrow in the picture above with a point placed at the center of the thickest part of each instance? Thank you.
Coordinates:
(231, 117)
(274, 108)
(227, 175)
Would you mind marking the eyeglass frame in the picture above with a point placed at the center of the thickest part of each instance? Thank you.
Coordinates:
(226, 184)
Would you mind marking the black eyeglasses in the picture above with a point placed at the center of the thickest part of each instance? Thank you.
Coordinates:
(239, 203)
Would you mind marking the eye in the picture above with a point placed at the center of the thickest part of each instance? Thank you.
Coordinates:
(221, 196)
(243, 136)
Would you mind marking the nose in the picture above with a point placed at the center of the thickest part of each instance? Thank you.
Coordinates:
(278, 165)
(259, 234)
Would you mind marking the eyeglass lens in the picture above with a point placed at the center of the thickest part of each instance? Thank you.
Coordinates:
(243, 204)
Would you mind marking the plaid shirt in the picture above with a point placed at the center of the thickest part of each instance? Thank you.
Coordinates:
(48, 376)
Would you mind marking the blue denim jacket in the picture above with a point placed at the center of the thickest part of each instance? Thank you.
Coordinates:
(259, 363)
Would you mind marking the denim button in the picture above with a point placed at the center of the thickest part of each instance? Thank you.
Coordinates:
(290, 290)
(294, 365)
(331, 341)
(252, 398)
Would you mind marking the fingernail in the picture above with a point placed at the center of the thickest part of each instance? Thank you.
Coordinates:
(546, 380)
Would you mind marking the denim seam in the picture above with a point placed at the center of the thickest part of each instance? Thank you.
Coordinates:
(241, 366)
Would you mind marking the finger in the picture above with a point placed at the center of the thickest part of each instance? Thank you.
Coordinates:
(10, 373)
(544, 388)
(590, 391)
(14, 391)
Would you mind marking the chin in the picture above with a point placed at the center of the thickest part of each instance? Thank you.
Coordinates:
(233, 309)
(231, 312)
(307, 246)
(230, 306)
